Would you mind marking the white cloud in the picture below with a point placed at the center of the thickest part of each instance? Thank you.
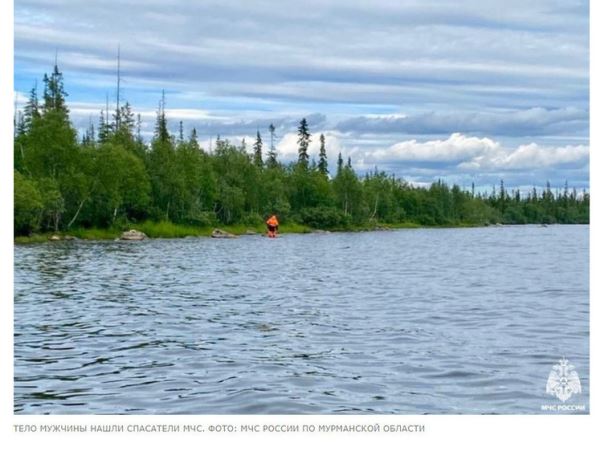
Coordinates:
(457, 147)
(530, 156)
(458, 151)
(469, 153)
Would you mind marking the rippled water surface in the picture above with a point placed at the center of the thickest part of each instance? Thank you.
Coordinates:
(407, 321)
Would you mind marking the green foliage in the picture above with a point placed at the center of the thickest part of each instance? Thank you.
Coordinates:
(54, 93)
(28, 205)
(292, 227)
(272, 155)
(171, 187)
(324, 217)
(303, 142)
(258, 161)
(166, 229)
(122, 187)
(96, 233)
(161, 132)
(349, 194)
(253, 219)
(322, 165)
(53, 203)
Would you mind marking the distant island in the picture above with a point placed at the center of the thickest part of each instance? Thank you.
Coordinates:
(110, 180)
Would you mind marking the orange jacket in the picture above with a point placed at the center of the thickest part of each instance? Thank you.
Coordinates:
(272, 221)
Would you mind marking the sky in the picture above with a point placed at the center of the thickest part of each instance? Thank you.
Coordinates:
(466, 91)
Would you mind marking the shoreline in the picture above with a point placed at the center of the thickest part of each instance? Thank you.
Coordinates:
(166, 230)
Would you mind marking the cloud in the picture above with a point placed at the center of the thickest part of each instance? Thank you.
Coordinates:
(474, 153)
(531, 156)
(529, 122)
(500, 85)
(351, 52)
(454, 149)
(457, 157)
(464, 159)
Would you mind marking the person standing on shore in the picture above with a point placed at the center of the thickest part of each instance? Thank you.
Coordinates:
(272, 226)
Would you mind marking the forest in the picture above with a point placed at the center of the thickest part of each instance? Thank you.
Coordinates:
(110, 178)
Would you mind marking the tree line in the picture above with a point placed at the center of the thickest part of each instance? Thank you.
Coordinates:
(110, 178)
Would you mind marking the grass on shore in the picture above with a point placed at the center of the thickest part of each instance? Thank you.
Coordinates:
(161, 229)
(93, 234)
(166, 229)
(32, 239)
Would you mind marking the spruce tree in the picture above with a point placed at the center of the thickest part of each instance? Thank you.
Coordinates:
(54, 92)
(194, 139)
(180, 132)
(322, 156)
(104, 129)
(272, 133)
(303, 142)
(161, 133)
(272, 155)
(258, 161)
(31, 111)
(125, 120)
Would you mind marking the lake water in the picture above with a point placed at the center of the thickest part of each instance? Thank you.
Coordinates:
(407, 321)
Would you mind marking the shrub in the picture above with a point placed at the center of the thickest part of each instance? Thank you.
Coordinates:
(200, 218)
(253, 219)
(28, 205)
(323, 217)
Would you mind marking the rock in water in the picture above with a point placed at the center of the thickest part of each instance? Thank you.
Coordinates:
(133, 235)
(218, 233)
(54, 238)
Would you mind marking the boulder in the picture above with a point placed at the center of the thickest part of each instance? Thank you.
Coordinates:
(251, 232)
(70, 238)
(218, 233)
(133, 235)
(54, 238)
